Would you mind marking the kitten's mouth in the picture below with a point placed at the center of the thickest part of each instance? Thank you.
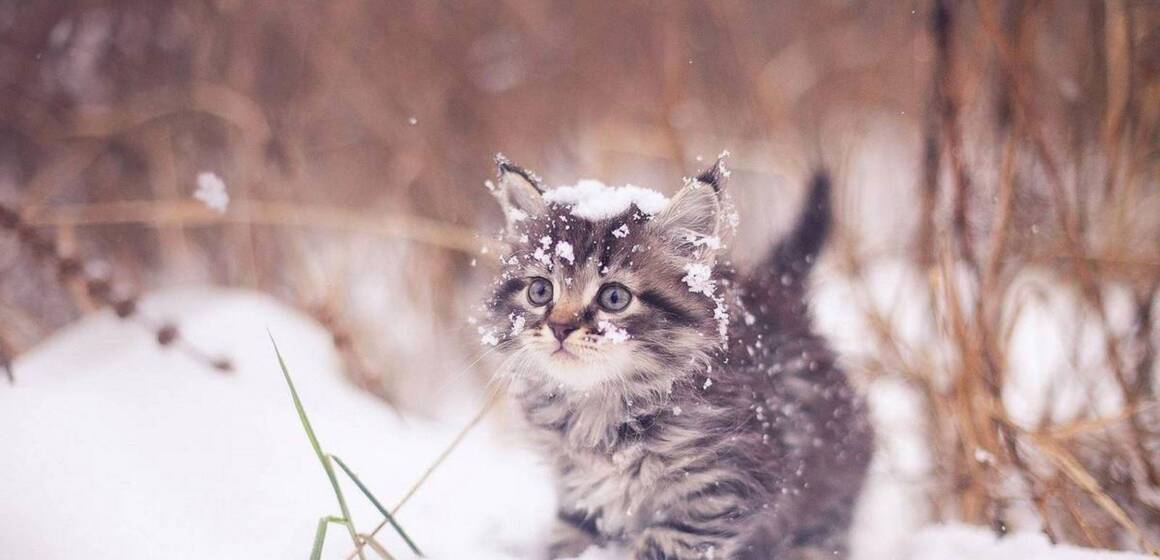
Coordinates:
(563, 353)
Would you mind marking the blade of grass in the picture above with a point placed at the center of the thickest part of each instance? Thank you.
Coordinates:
(322, 458)
(491, 401)
(376, 546)
(320, 535)
(366, 492)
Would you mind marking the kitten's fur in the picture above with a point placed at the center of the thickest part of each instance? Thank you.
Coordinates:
(672, 443)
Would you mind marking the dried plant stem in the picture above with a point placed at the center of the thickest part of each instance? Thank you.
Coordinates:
(271, 213)
(459, 437)
(1072, 236)
(98, 288)
(1079, 475)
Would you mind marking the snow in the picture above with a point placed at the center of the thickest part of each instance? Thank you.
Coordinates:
(960, 542)
(612, 333)
(593, 200)
(698, 277)
(541, 255)
(211, 191)
(621, 231)
(518, 323)
(564, 251)
(711, 241)
(117, 448)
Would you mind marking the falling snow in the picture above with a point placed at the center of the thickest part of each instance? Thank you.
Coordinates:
(211, 191)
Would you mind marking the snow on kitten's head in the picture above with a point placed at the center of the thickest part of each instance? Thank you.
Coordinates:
(607, 288)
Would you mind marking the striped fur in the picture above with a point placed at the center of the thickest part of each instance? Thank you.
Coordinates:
(671, 442)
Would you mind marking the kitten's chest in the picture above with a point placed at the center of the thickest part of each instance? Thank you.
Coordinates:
(615, 489)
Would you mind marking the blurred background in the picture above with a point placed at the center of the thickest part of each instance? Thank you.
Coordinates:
(996, 263)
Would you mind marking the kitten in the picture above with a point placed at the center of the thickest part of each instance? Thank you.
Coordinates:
(689, 412)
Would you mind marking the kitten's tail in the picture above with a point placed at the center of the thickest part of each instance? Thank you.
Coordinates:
(797, 251)
(787, 268)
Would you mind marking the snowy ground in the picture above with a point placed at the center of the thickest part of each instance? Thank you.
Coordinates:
(115, 448)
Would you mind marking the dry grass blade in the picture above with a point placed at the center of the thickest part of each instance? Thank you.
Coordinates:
(257, 212)
(1075, 471)
(479, 416)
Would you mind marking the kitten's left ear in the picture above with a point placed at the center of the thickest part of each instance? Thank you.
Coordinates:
(696, 206)
(518, 190)
(692, 218)
(717, 175)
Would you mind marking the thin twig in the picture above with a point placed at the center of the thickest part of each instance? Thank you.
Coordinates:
(257, 212)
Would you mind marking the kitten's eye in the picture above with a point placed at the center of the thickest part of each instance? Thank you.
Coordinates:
(540, 291)
(614, 297)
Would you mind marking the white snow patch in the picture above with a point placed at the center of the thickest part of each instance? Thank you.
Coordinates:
(711, 241)
(962, 542)
(211, 191)
(592, 200)
(141, 452)
(564, 251)
(518, 323)
(612, 333)
(541, 255)
(698, 277)
(621, 231)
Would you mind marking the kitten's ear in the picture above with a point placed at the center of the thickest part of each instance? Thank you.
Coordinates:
(692, 218)
(518, 190)
(716, 175)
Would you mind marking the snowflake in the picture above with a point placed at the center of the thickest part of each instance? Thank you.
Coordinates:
(698, 278)
(211, 191)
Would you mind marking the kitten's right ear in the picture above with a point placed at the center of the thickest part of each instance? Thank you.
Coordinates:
(518, 190)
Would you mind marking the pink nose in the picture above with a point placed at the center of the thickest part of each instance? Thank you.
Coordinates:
(561, 330)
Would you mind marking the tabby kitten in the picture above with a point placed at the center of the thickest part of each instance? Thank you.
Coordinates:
(689, 412)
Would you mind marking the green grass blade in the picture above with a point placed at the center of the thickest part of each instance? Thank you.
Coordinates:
(366, 492)
(322, 458)
(320, 536)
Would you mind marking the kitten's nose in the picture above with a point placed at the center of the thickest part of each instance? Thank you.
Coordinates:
(561, 330)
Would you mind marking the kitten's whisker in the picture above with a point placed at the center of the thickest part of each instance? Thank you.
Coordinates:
(463, 371)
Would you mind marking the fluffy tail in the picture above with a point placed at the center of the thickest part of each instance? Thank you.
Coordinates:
(795, 254)
(782, 277)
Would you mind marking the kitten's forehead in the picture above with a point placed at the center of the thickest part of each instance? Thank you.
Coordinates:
(560, 243)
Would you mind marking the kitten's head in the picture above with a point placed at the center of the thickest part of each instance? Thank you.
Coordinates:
(607, 288)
